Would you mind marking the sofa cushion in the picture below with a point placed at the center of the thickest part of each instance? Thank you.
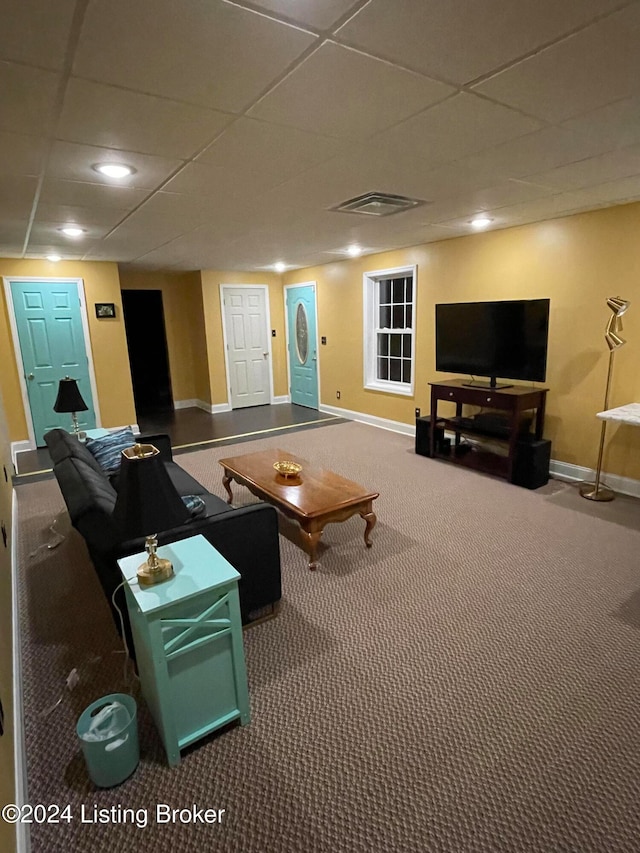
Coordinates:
(107, 450)
(64, 445)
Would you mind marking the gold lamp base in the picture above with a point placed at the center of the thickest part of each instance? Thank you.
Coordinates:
(150, 575)
(156, 569)
(596, 493)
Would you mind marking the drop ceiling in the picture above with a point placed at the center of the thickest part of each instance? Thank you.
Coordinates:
(247, 122)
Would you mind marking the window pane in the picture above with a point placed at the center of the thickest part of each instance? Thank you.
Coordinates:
(398, 290)
(385, 318)
(406, 346)
(383, 368)
(406, 370)
(384, 292)
(409, 317)
(409, 290)
(398, 317)
(395, 369)
(383, 344)
(395, 345)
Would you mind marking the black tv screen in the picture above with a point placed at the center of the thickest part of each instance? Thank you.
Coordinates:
(506, 339)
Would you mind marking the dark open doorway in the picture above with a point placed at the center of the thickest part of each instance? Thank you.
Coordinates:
(148, 355)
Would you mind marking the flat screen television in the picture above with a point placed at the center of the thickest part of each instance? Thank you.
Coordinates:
(506, 339)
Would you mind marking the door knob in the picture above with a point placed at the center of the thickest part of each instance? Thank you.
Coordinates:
(265, 354)
(30, 376)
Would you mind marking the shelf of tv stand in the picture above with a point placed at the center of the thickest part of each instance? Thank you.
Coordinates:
(513, 401)
(478, 459)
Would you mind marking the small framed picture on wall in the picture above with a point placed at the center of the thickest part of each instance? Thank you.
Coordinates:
(105, 309)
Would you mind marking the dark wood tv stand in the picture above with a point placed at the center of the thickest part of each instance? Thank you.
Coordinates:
(514, 401)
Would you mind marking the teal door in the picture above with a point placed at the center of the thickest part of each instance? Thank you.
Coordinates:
(52, 345)
(303, 344)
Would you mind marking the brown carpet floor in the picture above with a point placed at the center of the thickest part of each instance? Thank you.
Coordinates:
(470, 683)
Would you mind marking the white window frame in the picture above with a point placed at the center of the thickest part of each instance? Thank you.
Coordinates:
(370, 328)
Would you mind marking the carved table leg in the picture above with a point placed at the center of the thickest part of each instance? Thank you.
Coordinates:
(311, 540)
(226, 482)
(370, 518)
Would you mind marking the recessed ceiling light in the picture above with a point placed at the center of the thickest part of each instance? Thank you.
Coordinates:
(354, 250)
(73, 230)
(280, 267)
(114, 170)
(481, 222)
(54, 258)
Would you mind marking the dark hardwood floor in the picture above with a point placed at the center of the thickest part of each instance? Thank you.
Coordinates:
(192, 429)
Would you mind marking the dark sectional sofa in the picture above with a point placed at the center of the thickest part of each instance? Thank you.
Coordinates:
(247, 536)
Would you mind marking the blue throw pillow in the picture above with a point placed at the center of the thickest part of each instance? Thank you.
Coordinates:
(107, 450)
(195, 505)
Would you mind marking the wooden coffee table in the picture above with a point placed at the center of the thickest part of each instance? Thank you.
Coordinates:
(314, 499)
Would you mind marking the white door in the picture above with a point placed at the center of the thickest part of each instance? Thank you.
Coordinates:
(246, 327)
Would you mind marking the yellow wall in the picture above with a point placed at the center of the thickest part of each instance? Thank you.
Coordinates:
(108, 341)
(7, 774)
(577, 261)
(211, 281)
(185, 328)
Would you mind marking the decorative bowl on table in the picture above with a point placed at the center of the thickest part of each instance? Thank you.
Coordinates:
(287, 469)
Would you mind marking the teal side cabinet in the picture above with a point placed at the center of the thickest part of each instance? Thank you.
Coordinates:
(188, 638)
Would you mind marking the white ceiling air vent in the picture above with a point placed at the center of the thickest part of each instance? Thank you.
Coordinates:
(378, 204)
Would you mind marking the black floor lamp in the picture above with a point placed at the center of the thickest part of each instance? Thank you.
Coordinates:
(596, 491)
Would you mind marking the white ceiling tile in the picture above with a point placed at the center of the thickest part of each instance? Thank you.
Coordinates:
(14, 231)
(269, 153)
(49, 232)
(536, 210)
(37, 250)
(116, 118)
(595, 170)
(17, 194)
(614, 125)
(343, 93)
(316, 13)
(102, 216)
(197, 53)
(198, 179)
(610, 192)
(459, 41)
(592, 68)
(536, 152)
(21, 155)
(73, 162)
(36, 32)
(27, 98)
(455, 128)
(82, 194)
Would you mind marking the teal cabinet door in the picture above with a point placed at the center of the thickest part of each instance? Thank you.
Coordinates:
(53, 346)
(303, 345)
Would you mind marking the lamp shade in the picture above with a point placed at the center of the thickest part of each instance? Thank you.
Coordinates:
(147, 501)
(617, 305)
(69, 398)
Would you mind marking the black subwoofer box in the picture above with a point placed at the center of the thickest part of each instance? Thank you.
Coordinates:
(422, 436)
(531, 462)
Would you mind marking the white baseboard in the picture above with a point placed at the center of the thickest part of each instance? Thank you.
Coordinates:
(20, 447)
(185, 404)
(372, 420)
(219, 407)
(285, 398)
(23, 841)
(578, 474)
